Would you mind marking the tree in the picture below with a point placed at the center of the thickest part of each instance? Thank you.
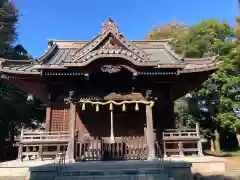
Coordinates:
(237, 60)
(217, 96)
(8, 20)
(15, 110)
(203, 39)
(165, 31)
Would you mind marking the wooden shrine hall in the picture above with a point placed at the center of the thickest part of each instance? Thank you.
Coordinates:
(109, 97)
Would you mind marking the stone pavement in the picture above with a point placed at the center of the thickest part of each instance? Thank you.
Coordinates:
(232, 168)
(16, 170)
(13, 178)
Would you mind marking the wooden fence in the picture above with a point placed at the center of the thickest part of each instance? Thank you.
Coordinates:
(184, 141)
(123, 148)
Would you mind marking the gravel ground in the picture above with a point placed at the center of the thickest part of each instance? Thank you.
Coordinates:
(13, 178)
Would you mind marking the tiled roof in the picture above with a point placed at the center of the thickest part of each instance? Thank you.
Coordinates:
(110, 43)
(18, 66)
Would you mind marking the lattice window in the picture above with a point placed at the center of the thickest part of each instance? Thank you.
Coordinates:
(59, 118)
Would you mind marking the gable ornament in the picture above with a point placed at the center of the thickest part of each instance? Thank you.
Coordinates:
(111, 68)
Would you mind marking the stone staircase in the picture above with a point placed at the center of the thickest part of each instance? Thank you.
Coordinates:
(123, 177)
(118, 174)
(127, 170)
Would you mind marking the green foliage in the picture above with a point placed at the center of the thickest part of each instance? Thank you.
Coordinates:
(8, 20)
(227, 120)
(165, 31)
(15, 111)
(182, 114)
(221, 92)
(238, 127)
(202, 40)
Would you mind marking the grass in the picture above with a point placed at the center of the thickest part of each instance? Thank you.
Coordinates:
(224, 153)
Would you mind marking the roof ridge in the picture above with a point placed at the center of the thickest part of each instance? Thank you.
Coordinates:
(49, 52)
(168, 47)
(102, 37)
(137, 40)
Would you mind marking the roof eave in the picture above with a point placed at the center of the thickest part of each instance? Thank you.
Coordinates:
(178, 66)
(67, 65)
(213, 67)
(44, 66)
(206, 60)
(19, 72)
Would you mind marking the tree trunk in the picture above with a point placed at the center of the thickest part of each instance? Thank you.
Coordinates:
(238, 139)
(238, 24)
(238, 4)
(217, 141)
(212, 149)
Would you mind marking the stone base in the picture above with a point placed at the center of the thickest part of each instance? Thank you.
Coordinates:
(205, 165)
(114, 170)
(70, 161)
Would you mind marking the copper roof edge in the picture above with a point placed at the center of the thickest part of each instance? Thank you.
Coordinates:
(135, 40)
(49, 52)
(15, 60)
(211, 58)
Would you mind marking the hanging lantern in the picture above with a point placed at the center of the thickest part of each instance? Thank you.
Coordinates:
(151, 104)
(83, 107)
(111, 107)
(97, 107)
(136, 107)
(30, 97)
(123, 107)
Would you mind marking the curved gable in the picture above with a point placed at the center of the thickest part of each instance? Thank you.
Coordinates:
(111, 43)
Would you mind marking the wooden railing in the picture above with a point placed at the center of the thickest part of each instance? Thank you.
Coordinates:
(44, 137)
(41, 151)
(181, 135)
(182, 141)
(39, 145)
(123, 148)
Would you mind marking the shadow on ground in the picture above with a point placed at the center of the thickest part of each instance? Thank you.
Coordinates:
(215, 177)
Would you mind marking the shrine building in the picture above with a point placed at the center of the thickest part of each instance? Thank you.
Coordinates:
(109, 92)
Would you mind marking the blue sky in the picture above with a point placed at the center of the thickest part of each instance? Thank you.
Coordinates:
(81, 19)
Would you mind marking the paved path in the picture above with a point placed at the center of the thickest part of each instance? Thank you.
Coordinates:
(232, 168)
(13, 178)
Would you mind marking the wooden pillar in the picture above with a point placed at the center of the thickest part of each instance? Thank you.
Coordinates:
(112, 138)
(20, 148)
(72, 125)
(48, 118)
(199, 143)
(150, 133)
(164, 149)
(40, 152)
(180, 147)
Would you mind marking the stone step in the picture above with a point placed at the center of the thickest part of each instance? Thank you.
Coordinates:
(117, 177)
(114, 170)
